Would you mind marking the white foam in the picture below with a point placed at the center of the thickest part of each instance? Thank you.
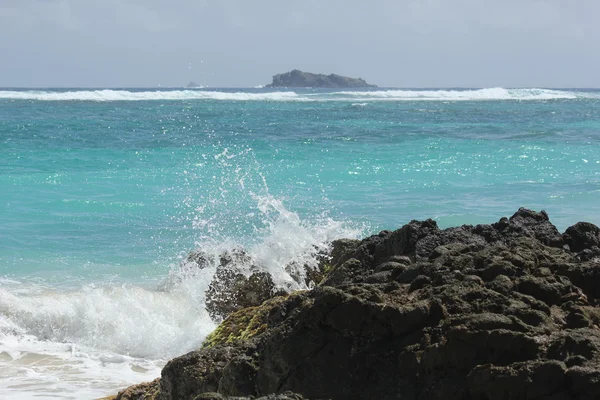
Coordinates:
(290, 243)
(92, 341)
(124, 319)
(353, 96)
(125, 95)
(32, 368)
(243, 214)
(287, 243)
(457, 95)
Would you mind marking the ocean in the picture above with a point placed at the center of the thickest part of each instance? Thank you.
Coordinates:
(104, 192)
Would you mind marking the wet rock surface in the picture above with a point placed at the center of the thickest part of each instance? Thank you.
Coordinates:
(237, 282)
(503, 311)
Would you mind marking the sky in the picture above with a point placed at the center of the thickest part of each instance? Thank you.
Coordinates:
(242, 43)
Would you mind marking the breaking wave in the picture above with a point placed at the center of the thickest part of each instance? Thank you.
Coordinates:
(456, 95)
(276, 96)
(126, 95)
(87, 341)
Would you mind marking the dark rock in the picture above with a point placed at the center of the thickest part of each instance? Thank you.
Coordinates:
(283, 396)
(404, 240)
(502, 284)
(400, 260)
(296, 78)
(534, 224)
(236, 257)
(581, 342)
(231, 291)
(200, 259)
(339, 252)
(203, 371)
(575, 361)
(582, 236)
(340, 248)
(419, 282)
(485, 312)
(538, 380)
(391, 266)
(218, 396)
(584, 275)
(590, 254)
(549, 290)
(210, 396)
(237, 283)
(143, 391)
(584, 383)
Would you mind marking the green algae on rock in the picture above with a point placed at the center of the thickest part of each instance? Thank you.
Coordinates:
(243, 324)
(143, 391)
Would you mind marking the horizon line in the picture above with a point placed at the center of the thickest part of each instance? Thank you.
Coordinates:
(291, 88)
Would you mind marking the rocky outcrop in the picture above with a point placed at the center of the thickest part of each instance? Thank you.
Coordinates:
(239, 282)
(296, 78)
(503, 311)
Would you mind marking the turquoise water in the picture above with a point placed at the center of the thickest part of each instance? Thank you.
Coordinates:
(106, 190)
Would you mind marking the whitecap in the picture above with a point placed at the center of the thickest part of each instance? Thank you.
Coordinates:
(149, 95)
(358, 98)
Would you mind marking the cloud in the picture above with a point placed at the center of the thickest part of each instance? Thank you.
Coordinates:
(31, 15)
(242, 43)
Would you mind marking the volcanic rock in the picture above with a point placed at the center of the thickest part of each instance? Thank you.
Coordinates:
(501, 311)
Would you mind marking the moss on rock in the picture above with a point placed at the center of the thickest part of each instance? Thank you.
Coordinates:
(143, 391)
(243, 324)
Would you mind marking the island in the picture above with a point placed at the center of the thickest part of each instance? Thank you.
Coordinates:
(297, 78)
(193, 85)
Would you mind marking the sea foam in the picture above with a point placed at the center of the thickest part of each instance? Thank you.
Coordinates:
(457, 95)
(354, 96)
(149, 95)
(88, 342)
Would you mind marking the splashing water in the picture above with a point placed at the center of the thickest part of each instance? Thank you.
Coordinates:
(88, 341)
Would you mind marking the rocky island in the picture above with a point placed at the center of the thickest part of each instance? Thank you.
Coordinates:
(509, 310)
(193, 85)
(297, 79)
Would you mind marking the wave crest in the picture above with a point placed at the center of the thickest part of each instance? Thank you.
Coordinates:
(353, 96)
(456, 95)
(126, 95)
